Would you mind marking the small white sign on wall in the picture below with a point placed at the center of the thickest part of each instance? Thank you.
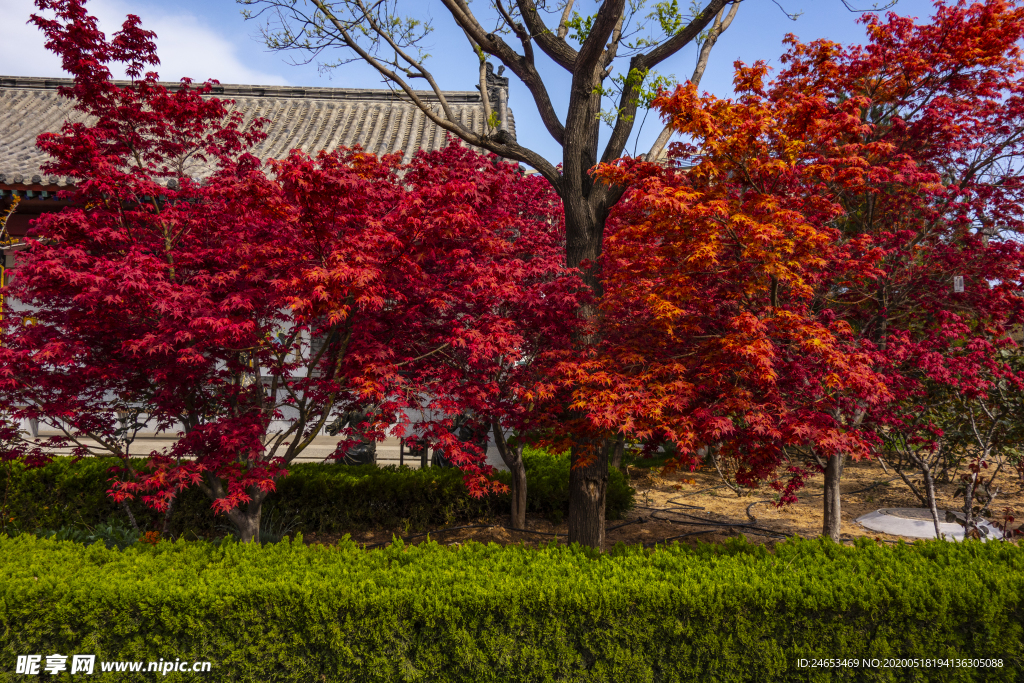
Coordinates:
(958, 283)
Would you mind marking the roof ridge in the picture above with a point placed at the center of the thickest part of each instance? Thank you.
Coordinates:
(282, 91)
(312, 119)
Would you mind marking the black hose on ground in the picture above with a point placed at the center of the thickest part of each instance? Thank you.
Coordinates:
(491, 526)
(677, 507)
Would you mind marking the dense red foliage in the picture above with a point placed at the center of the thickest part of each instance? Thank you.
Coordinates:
(789, 288)
(221, 306)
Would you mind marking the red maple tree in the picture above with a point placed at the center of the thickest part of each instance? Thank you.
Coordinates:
(786, 292)
(941, 120)
(247, 308)
(528, 310)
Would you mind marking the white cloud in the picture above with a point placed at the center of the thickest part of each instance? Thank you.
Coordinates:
(186, 45)
(21, 50)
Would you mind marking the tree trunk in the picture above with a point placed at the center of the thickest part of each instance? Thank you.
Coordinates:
(832, 524)
(969, 503)
(588, 484)
(166, 528)
(512, 456)
(618, 452)
(518, 517)
(929, 487)
(131, 517)
(246, 518)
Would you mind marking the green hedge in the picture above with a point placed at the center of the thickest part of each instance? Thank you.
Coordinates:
(312, 498)
(288, 612)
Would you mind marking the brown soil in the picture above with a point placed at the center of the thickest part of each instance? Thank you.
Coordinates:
(660, 513)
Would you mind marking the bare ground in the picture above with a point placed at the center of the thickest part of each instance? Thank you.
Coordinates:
(687, 506)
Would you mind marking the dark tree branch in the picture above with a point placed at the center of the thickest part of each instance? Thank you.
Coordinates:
(584, 98)
(608, 17)
(613, 47)
(500, 144)
(680, 40)
(551, 44)
(629, 100)
(522, 66)
(717, 29)
(876, 8)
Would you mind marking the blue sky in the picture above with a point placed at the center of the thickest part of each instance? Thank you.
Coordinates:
(210, 39)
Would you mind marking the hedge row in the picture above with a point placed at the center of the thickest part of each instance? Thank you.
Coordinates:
(312, 498)
(289, 612)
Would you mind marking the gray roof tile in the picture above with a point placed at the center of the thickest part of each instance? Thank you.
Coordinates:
(310, 119)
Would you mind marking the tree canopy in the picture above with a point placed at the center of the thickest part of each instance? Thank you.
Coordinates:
(189, 287)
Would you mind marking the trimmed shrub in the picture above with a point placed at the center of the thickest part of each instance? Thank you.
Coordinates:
(477, 614)
(64, 493)
(312, 498)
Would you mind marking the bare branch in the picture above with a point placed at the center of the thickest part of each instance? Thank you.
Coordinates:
(521, 65)
(380, 31)
(500, 144)
(628, 100)
(717, 29)
(875, 8)
(792, 16)
(681, 39)
(563, 24)
(485, 98)
(613, 47)
(440, 348)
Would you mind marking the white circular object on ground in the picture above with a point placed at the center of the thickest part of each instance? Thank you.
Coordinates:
(917, 523)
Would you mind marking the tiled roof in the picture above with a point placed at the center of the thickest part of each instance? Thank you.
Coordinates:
(310, 119)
